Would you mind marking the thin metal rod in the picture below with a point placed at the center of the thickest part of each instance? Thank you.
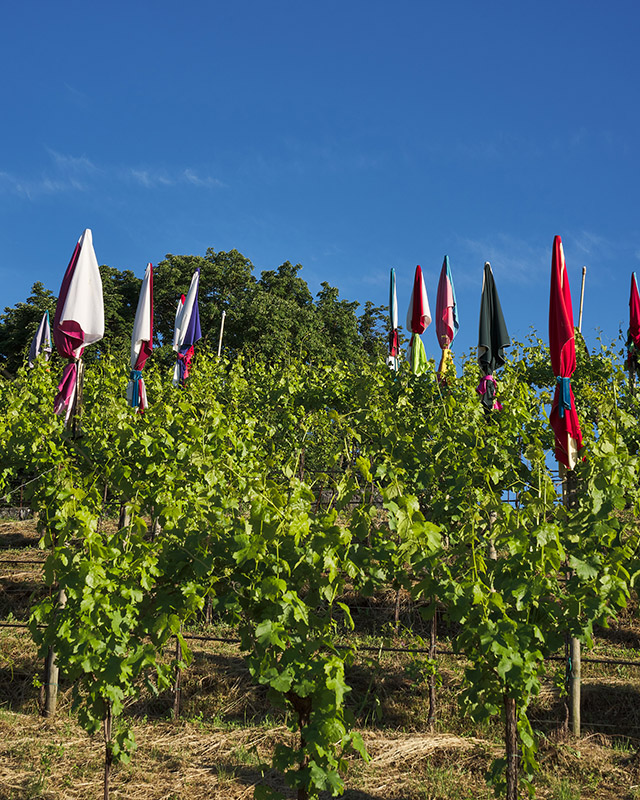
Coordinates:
(224, 314)
(584, 275)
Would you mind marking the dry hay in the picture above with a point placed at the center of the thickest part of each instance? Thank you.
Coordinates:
(412, 748)
(56, 760)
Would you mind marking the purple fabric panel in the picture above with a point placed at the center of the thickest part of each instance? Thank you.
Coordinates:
(193, 328)
(64, 339)
(66, 388)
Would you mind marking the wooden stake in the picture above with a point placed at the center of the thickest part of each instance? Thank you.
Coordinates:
(433, 632)
(511, 742)
(51, 671)
(108, 752)
(575, 676)
(177, 688)
(569, 498)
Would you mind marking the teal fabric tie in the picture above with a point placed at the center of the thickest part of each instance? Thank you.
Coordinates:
(565, 395)
(136, 377)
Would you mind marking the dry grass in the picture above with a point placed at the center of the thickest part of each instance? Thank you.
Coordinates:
(56, 760)
(223, 744)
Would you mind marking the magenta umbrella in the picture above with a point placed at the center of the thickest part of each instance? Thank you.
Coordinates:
(447, 323)
(563, 417)
(418, 320)
(79, 318)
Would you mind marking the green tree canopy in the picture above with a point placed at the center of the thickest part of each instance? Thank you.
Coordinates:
(19, 324)
(274, 316)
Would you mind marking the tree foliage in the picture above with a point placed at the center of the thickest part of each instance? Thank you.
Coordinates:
(268, 317)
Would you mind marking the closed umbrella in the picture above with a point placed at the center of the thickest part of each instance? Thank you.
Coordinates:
(447, 323)
(633, 334)
(563, 417)
(79, 318)
(392, 359)
(492, 339)
(41, 342)
(187, 331)
(141, 342)
(418, 320)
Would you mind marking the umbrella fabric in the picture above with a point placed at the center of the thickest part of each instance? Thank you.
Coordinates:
(41, 342)
(418, 320)
(633, 334)
(392, 359)
(492, 339)
(187, 331)
(79, 317)
(141, 342)
(562, 346)
(447, 323)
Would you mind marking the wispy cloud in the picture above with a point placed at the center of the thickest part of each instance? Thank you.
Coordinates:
(590, 244)
(32, 188)
(514, 260)
(148, 178)
(72, 165)
(72, 173)
(152, 178)
(190, 176)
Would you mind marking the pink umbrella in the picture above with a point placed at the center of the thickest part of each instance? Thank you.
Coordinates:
(79, 317)
(446, 315)
(418, 320)
(563, 417)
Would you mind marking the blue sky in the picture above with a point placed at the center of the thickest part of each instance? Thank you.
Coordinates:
(349, 136)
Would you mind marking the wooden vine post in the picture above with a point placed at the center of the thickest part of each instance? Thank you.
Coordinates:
(570, 497)
(433, 635)
(51, 671)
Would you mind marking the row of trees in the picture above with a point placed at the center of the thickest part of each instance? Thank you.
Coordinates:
(269, 316)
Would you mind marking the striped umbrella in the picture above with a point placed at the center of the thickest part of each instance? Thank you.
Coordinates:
(492, 339)
(447, 323)
(141, 342)
(392, 359)
(41, 342)
(79, 317)
(187, 331)
(418, 320)
(563, 417)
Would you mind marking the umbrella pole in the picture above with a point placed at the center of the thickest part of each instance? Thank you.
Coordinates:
(75, 421)
(584, 275)
(224, 314)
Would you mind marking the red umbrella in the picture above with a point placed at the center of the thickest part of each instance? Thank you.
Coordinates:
(563, 417)
(633, 334)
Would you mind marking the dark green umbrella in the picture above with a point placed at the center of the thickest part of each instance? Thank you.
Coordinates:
(492, 339)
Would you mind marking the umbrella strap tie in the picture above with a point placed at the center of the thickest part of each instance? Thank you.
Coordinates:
(565, 395)
(136, 377)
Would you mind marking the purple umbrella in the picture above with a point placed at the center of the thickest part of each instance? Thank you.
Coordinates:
(187, 331)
